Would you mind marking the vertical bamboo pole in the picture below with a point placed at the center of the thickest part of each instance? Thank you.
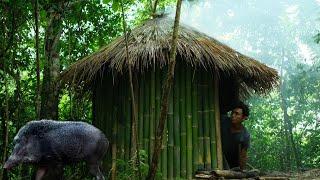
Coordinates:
(152, 110)
(183, 132)
(122, 123)
(114, 145)
(164, 152)
(170, 146)
(136, 94)
(128, 114)
(212, 128)
(146, 109)
(188, 105)
(217, 120)
(105, 113)
(171, 157)
(189, 122)
(140, 111)
(200, 121)
(195, 151)
(176, 109)
(207, 157)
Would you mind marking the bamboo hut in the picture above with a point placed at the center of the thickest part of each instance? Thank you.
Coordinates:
(209, 78)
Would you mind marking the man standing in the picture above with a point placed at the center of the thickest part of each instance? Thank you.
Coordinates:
(235, 137)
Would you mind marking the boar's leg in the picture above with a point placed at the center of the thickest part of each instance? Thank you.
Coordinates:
(40, 173)
(95, 170)
(50, 172)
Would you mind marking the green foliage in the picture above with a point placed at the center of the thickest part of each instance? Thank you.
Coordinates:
(269, 148)
(126, 169)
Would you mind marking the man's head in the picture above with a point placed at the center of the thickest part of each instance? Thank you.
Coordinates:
(239, 113)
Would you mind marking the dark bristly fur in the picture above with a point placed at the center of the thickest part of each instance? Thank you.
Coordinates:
(50, 144)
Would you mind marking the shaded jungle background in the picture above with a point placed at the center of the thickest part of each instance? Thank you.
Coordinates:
(283, 34)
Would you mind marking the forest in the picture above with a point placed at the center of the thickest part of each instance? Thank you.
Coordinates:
(40, 39)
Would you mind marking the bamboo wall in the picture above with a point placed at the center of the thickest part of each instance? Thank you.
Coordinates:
(190, 137)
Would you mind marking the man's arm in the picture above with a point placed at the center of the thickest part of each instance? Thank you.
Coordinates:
(243, 158)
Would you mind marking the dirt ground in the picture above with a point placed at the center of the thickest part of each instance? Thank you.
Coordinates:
(313, 174)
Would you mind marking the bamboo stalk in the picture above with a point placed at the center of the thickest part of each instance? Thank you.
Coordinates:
(114, 145)
(164, 158)
(183, 132)
(217, 120)
(195, 151)
(105, 117)
(189, 122)
(170, 145)
(136, 94)
(128, 113)
(200, 122)
(176, 109)
(212, 128)
(159, 80)
(207, 155)
(140, 111)
(122, 123)
(164, 153)
(146, 119)
(152, 107)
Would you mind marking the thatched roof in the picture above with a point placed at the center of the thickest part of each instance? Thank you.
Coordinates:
(149, 46)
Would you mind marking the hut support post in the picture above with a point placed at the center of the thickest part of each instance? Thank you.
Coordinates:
(217, 119)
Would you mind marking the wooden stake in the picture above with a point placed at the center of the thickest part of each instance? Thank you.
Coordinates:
(217, 119)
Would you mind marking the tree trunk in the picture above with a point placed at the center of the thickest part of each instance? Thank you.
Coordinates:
(5, 128)
(134, 130)
(288, 129)
(36, 18)
(288, 126)
(50, 86)
(165, 96)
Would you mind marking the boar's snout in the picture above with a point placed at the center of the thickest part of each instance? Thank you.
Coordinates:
(10, 163)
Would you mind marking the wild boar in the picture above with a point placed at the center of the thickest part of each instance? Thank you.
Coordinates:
(51, 144)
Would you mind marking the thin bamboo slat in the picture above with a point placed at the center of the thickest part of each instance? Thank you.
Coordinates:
(183, 132)
(170, 124)
(114, 144)
(164, 153)
(140, 111)
(206, 110)
(200, 121)
(212, 127)
(189, 122)
(195, 151)
(104, 117)
(152, 119)
(128, 122)
(176, 96)
(121, 124)
(217, 122)
(165, 146)
(146, 115)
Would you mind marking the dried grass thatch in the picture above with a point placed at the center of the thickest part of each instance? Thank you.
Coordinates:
(149, 46)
